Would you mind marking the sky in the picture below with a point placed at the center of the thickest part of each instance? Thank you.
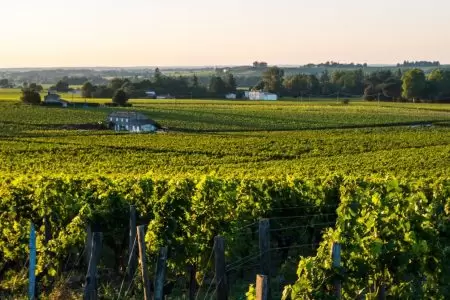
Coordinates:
(52, 33)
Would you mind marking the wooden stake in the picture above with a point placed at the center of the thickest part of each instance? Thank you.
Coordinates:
(32, 267)
(161, 266)
(91, 285)
(262, 287)
(88, 244)
(336, 256)
(132, 244)
(264, 250)
(142, 260)
(382, 292)
(192, 281)
(221, 279)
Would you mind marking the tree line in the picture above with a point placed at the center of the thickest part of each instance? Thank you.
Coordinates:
(177, 87)
(384, 85)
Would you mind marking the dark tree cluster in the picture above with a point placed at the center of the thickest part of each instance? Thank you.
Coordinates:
(177, 87)
(384, 84)
(4, 83)
(30, 96)
(260, 64)
(419, 64)
(333, 64)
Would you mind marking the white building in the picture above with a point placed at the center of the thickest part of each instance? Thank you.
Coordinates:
(132, 121)
(231, 96)
(257, 95)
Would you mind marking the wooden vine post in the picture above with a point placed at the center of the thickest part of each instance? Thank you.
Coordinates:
(160, 276)
(32, 267)
(336, 256)
(132, 244)
(221, 279)
(88, 244)
(262, 287)
(91, 285)
(142, 261)
(264, 250)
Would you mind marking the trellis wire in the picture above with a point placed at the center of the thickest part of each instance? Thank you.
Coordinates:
(205, 270)
(128, 265)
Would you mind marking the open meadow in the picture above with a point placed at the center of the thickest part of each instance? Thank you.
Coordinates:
(374, 176)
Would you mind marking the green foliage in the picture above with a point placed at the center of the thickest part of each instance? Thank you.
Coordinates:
(273, 80)
(251, 293)
(120, 97)
(87, 90)
(414, 84)
(30, 96)
(394, 234)
(62, 85)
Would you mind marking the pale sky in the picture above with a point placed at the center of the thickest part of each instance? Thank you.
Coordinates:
(50, 33)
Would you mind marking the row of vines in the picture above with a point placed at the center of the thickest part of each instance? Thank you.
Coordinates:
(394, 233)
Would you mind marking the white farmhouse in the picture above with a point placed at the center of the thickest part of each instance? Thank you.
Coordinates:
(258, 95)
(231, 96)
(132, 122)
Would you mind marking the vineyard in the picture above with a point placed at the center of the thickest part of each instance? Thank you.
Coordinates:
(372, 177)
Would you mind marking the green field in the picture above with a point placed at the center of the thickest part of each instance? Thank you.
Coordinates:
(220, 167)
(231, 138)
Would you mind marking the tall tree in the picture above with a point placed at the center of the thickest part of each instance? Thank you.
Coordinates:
(230, 83)
(325, 82)
(158, 77)
(30, 96)
(87, 89)
(117, 83)
(273, 80)
(62, 86)
(313, 85)
(37, 87)
(120, 97)
(4, 83)
(217, 87)
(296, 85)
(414, 84)
(439, 84)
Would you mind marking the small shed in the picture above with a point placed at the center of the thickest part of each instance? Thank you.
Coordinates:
(132, 121)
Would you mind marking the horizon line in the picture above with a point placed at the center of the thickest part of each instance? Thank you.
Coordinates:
(191, 66)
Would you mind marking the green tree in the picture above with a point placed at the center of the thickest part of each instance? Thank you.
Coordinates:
(120, 97)
(62, 86)
(273, 80)
(217, 87)
(414, 84)
(87, 90)
(439, 82)
(296, 85)
(118, 83)
(4, 83)
(158, 77)
(230, 83)
(30, 96)
(37, 87)
(313, 84)
(325, 83)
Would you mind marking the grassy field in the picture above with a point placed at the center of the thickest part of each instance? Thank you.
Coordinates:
(231, 138)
